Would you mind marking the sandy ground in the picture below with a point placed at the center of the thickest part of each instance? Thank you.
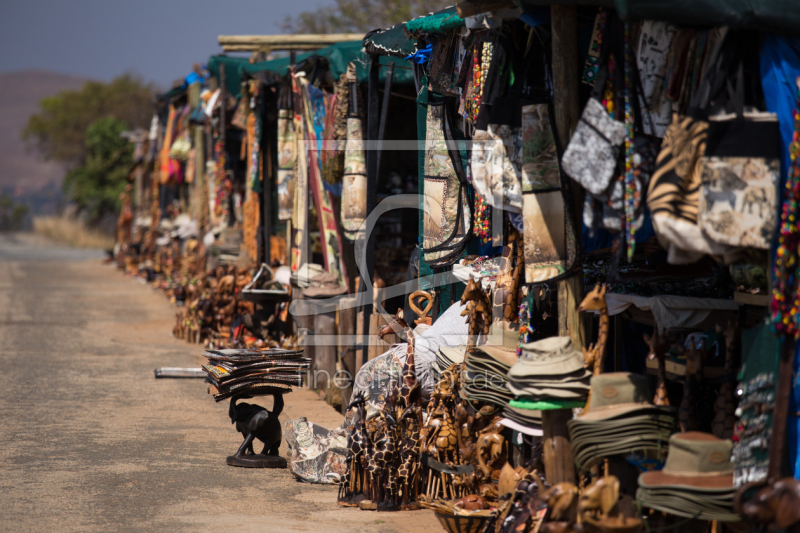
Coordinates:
(91, 441)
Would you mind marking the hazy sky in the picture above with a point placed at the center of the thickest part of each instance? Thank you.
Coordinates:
(157, 39)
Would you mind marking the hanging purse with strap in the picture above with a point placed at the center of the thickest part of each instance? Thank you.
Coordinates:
(447, 217)
(596, 145)
(739, 174)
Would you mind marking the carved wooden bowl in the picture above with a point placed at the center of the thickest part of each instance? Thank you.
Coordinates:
(461, 524)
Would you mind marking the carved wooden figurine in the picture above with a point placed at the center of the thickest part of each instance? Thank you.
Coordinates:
(658, 351)
(479, 311)
(694, 375)
(594, 354)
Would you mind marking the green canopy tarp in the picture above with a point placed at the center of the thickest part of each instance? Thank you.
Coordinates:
(390, 42)
(233, 76)
(338, 56)
(439, 22)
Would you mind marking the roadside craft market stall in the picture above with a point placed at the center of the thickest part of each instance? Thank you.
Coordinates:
(544, 258)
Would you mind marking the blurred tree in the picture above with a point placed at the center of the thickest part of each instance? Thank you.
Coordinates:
(12, 214)
(360, 15)
(59, 130)
(96, 185)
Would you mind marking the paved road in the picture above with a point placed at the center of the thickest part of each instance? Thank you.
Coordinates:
(92, 442)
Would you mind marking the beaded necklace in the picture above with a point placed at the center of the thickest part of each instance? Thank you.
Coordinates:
(482, 218)
(785, 274)
(631, 193)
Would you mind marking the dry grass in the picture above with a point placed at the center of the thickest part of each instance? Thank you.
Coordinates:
(72, 232)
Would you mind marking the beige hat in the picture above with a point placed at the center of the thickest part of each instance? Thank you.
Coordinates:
(618, 393)
(697, 460)
(551, 356)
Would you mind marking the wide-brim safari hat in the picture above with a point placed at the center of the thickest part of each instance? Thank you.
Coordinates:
(696, 460)
(547, 357)
(617, 394)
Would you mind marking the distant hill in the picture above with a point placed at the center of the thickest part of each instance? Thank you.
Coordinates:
(20, 92)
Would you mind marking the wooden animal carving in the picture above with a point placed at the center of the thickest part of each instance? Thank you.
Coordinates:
(593, 355)
(255, 422)
(479, 311)
(777, 505)
(511, 277)
(491, 445)
(596, 301)
(658, 351)
(598, 501)
(561, 499)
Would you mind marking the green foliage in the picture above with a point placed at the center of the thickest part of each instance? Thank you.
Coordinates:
(12, 214)
(360, 16)
(58, 131)
(96, 185)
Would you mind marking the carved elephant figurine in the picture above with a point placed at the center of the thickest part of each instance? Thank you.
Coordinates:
(776, 504)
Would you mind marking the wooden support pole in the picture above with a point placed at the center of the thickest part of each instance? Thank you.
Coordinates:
(321, 40)
(558, 459)
(347, 342)
(325, 358)
(564, 24)
(559, 465)
(780, 414)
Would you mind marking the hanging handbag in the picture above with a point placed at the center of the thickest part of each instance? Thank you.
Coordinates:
(447, 218)
(739, 174)
(596, 145)
(673, 196)
(496, 159)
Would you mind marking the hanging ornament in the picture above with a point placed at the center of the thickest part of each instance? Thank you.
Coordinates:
(483, 218)
(630, 186)
(785, 291)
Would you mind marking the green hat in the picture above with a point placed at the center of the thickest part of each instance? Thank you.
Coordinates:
(616, 394)
(696, 460)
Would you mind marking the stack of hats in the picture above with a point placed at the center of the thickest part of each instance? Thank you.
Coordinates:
(549, 375)
(449, 356)
(696, 481)
(485, 374)
(621, 420)
(254, 373)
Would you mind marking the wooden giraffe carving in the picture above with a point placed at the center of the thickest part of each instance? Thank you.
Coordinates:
(658, 350)
(594, 354)
(725, 406)
(510, 279)
(479, 311)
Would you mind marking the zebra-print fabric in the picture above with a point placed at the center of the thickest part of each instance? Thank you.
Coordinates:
(675, 185)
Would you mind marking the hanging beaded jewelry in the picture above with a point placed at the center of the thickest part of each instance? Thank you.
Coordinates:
(630, 188)
(482, 219)
(785, 273)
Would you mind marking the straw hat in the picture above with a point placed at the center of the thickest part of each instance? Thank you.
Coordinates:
(696, 460)
(616, 394)
(550, 356)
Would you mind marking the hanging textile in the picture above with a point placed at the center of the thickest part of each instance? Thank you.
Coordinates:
(300, 208)
(354, 183)
(287, 157)
(166, 165)
(314, 106)
(448, 217)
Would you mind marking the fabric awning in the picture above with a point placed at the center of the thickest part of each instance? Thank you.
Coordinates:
(390, 42)
(233, 77)
(338, 56)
